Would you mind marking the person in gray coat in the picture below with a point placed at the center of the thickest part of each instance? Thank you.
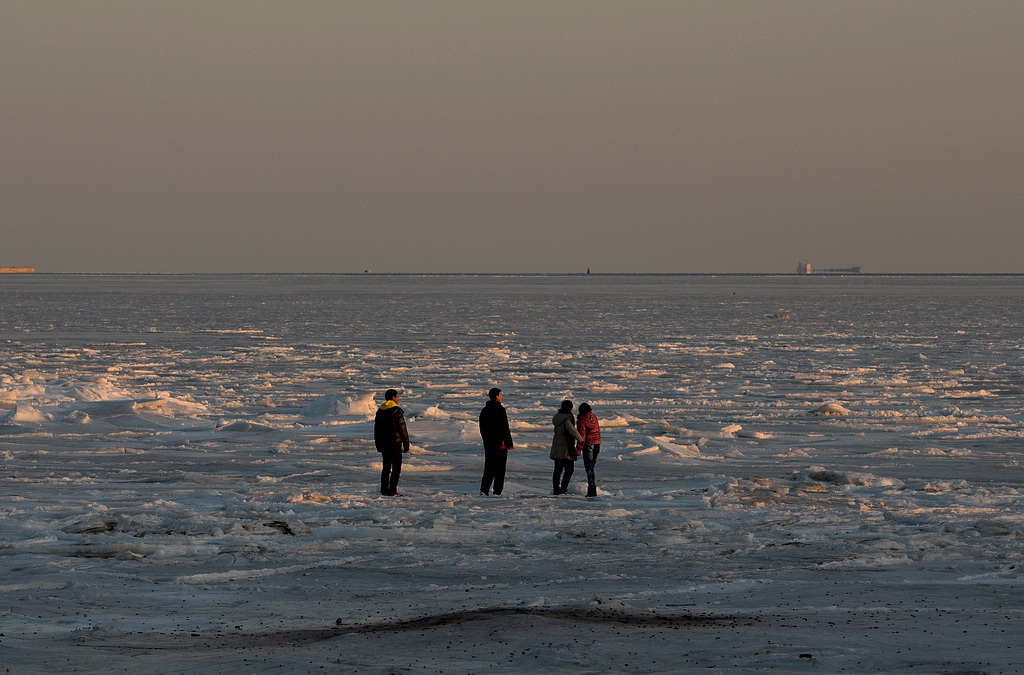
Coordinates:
(563, 447)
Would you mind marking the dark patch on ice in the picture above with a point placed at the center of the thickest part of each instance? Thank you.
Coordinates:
(96, 526)
(300, 636)
(132, 550)
(106, 409)
(10, 429)
(281, 526)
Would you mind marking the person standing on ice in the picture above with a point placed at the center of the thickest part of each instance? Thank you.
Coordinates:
(497, 439)
(392, 441)
(590, 446)
(563, 447)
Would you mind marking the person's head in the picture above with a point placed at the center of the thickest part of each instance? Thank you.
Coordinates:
(494, 394)
(391, 395)
(566, 406)
(585, 408)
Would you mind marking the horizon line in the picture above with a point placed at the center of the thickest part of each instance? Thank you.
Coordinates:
(537, 274)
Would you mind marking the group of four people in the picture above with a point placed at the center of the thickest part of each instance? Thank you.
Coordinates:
(572, 438)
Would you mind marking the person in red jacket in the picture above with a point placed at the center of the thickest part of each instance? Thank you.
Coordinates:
(590, 446)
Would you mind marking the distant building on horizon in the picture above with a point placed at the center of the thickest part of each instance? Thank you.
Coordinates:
(805, 268)
(17, 270)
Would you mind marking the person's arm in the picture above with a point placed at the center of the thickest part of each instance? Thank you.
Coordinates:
(508, 431)
(572, 429)
(402, 430)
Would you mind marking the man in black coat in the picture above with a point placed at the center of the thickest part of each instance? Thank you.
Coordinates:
(497, 442)
(392, 440)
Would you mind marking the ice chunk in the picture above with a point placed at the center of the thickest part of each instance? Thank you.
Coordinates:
(830, 409)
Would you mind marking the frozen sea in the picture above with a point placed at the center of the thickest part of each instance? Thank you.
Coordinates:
(798, 474)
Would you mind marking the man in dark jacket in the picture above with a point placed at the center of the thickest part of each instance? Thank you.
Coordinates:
(497, 442)
(392, 439)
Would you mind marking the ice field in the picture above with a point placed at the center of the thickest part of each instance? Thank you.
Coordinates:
(798, 474)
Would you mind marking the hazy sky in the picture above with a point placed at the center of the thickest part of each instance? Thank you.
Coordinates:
(511, 136)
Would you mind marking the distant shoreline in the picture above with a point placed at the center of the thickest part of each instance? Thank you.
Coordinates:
(529, 274)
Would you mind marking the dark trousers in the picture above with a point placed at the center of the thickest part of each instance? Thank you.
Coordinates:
(494, 471)
(392, 470)
(590, 453)
(563, 468)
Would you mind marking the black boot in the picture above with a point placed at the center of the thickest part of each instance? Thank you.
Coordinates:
(591, 490)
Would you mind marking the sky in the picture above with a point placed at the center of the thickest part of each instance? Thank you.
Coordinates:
(511, 136)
